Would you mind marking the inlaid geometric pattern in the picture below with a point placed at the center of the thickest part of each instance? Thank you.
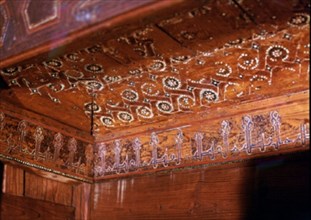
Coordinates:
(35, 22)
(179, 64)
(34, 18)
(156, 84)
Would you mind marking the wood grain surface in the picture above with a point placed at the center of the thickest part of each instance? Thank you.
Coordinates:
(274, 188)
(41, 188)
(33, 24)
(82, 197)
(231, 78)
(13, 180)
(22, 208)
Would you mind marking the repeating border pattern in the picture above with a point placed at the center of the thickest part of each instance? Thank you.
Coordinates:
(254, 134)
(32, 145)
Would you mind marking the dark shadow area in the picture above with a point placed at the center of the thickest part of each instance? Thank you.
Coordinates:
(3, 84)
(279, 188)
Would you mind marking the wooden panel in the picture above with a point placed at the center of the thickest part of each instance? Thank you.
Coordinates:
(81, 200)
(277, 187)
(23, 26)
(41, 188)
(21, 208)
(13, 180)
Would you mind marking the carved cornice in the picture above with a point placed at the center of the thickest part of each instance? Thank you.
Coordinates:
(273, 130)
(228, 140)
(35, 146)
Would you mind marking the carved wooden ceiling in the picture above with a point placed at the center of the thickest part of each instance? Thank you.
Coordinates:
(161, 69)
(28, 24)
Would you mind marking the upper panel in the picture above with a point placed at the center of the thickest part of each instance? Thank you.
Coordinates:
(28, 24)
(166, 65)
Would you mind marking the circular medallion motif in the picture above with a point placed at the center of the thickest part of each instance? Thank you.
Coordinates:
(185, 101)
(89, 106)
(74, 74)
(247, 63)
(225, 70)
(130, 95)
(111, 79)
(94, 49)
(171, 82)
(277, 52)
(164, 106)
(209, 95)
(299, 20)
(235, 43)
(94, 85)
(158, 65)
(135, 72)
(11, 71)
(53, 63)
(74, 57)
(150, 89)
(125, 116)
(107, 121)
(179, 59)
(94, 68)
(144, 112)
(188, 35)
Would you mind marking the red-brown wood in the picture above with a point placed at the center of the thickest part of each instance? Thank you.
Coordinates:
(22, 208)
(24, 27)
(155, 109)
(152, 76)
(81, 200)
(13, 180)
(274, 188)
(41, 188)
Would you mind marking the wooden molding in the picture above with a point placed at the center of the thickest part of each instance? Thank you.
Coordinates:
(272, 126)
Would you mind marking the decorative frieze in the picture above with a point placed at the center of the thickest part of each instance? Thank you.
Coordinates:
(36, 146)
(223, 141)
